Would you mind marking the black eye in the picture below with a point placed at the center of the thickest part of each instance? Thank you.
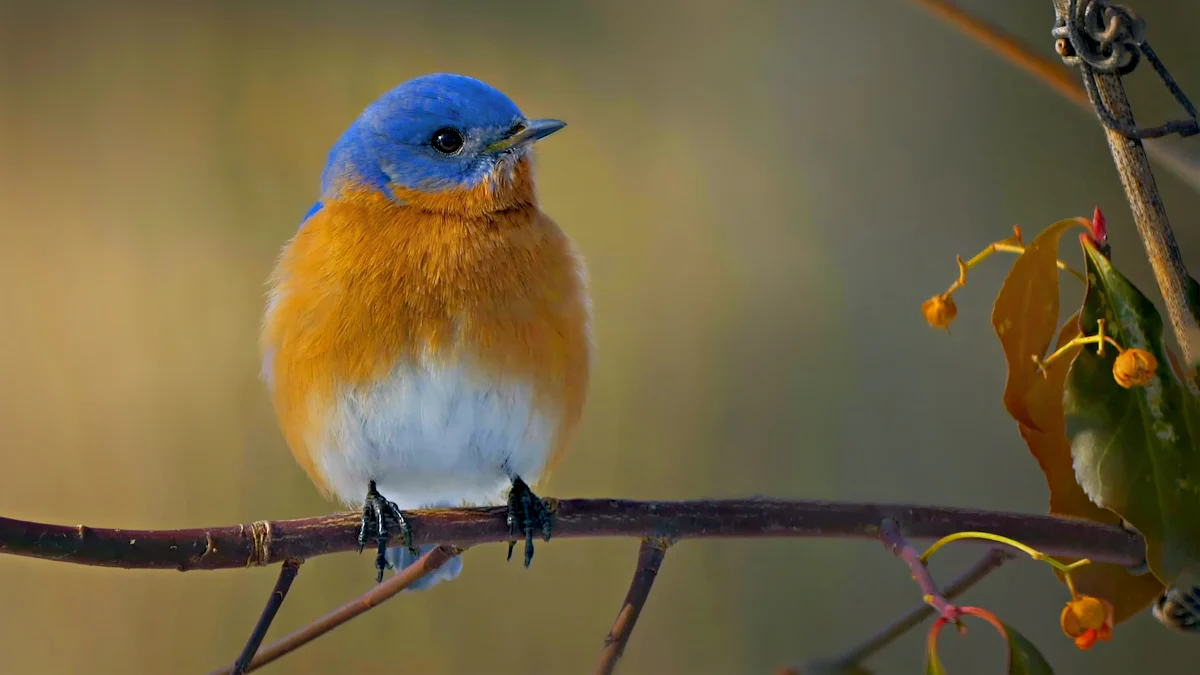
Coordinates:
(447, 141)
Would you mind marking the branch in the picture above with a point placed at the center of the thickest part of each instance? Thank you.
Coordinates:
(650, 558)
(1178, 158)
(272, 542)
(1149, 214)
(287, 574)
(406, 577)
(897, 545)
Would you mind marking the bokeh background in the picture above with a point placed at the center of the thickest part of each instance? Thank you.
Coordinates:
(765, 191)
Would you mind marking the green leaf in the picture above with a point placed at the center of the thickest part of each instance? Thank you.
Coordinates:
(1023, 657)
(1129, 593)
(1135, 450)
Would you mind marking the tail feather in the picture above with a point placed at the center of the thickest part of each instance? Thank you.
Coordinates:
(401, 557)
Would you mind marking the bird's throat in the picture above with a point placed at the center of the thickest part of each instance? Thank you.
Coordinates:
(509, 187)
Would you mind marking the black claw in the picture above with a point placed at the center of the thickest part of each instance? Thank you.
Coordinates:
(526, 512)
(366, 522)
(377, 512)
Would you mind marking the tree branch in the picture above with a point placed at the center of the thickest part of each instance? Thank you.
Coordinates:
(1051, 72)
(1149, 214)
(897, 545)
(378, 594)
(650, 558)
(1176, 157)
(287, 574)
(272, 542)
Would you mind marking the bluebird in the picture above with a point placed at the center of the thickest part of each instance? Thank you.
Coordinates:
(427, 338)
(1179, 608)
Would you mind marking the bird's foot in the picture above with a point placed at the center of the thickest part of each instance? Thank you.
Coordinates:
(379, 517)
(526, 513)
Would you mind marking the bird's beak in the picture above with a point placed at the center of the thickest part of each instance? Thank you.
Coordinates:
(527, 132)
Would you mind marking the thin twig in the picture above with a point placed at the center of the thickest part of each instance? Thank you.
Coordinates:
(935, 601)
(271, 542)
(650, 558)
(1180, 159)
(406, 577)
(897, 545)
(1051, 72)
(990, 562)
(287, 574)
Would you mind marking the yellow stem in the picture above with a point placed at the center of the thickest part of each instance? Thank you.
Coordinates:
(1013, 244)
(1070, 585)
(1067, 575)
(988, 536)
(958, 536)
(1009, 248)
(1078, 563)
(1098, 339)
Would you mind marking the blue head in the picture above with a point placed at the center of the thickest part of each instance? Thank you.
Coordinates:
(434, 133)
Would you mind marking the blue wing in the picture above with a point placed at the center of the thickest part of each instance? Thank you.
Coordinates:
(312, 212)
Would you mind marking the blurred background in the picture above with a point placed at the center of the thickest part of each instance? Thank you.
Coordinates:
(765, 192)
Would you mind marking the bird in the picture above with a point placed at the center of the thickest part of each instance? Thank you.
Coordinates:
(1178, 608)
(427, 339)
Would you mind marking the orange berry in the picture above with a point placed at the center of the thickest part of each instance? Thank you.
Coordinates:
(1134, 368)
(939, 311)
(1086, 620)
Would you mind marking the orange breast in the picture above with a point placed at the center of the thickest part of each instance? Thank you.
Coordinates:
(367, 284)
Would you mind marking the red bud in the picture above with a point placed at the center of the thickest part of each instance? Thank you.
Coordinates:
(1099, 228)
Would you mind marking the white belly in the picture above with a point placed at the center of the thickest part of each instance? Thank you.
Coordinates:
(435, 435)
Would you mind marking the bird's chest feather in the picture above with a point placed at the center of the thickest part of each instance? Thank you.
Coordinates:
(434, 354)
(435, 432)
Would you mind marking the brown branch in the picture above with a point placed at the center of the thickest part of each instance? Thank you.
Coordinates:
(1178, 158)
(650, 558)
(272, 542)
(1051, 72)
(1149, 214)
(406, 577)
(287, 574)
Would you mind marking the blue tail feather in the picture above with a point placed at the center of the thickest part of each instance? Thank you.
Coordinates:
(401, 557)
